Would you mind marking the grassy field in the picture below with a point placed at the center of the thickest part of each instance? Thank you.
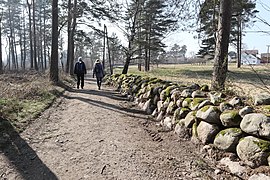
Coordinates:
(246, 80)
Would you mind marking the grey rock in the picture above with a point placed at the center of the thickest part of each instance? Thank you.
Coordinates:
(209, 114)
(261, 99)
(246, 110)
(207, 132)
(259, 176)
(230, 118)
(186, 93)
(187, 102)
(225, 106)
(234, 167)
(253, 151)
(198, 94)
(190, 119)
(171, 107)
(228, 139)
(167, 124)
(256, 124)
(236, 101)
(205, 103)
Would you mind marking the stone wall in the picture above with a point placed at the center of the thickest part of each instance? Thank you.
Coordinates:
(208, 117)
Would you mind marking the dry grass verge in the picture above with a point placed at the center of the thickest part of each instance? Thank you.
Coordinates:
(23, 96)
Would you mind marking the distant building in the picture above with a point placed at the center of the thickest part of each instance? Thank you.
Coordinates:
(265, 57)
(249, 59)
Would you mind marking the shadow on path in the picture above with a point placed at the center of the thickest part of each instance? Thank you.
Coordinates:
(21, 155)
(128, 110)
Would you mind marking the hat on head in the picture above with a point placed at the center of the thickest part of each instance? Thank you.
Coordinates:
(80, 58)
(97, 61)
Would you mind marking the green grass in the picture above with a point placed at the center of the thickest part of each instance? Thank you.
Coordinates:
(246, 80)
(26, 97)
(20, 112)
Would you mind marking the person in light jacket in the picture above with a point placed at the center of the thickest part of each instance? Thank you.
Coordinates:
(80, 71)
(98, 72)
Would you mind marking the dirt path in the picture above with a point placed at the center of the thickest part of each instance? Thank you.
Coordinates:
(91, 134)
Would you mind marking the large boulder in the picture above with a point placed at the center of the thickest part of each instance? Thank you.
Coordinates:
(180, 113)
(195, 103)
(190, 119)
(253, 151)
(205, 103)
(227, 139)
(186, 93)
(179, 102)
(187, 102)
(261, 99)
(216, 97)
(148, 107)
(207, 132)
(166, 92)
(236, 101)
(256, 124)
(259, 176)
(246, 110)
(181, 130)
(230, 118)
(171, 108)
(175, 95)
(198, 94)
(209, 114)
(225, 106)
(167, 124)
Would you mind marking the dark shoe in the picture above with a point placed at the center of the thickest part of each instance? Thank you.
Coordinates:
(98, 87)
(77, 87)
(82, 87)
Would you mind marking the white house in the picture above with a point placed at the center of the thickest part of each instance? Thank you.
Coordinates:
(249, 59)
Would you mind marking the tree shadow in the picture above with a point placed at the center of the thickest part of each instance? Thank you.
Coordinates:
(23, 158)
(127, 108)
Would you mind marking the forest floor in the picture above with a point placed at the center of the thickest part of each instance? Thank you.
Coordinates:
(99, 134)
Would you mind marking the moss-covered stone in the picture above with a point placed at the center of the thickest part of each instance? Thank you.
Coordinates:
(263, 145)
(205, 88)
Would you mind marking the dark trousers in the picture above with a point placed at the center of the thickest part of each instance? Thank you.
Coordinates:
(99, 80)
(80, 80)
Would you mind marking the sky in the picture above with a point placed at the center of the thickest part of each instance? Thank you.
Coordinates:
(252, 39)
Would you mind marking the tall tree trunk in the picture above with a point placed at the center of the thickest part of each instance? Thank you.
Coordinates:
(69, 37)
(1, 60)
(221, 55)
(10, 37)
(73, 29)
(109, 52)
(54, 77)
(15, 53)
(125, 69)
(24, 45)
(21, 45)
(130, 50)
(34, 36)
(104, 47)
(30, 35)
(44, 38)
(239, 41)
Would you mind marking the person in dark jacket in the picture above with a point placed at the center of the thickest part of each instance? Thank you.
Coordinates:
(80, 71)
(98, 71)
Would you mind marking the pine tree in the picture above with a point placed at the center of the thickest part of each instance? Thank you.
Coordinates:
(208, 23)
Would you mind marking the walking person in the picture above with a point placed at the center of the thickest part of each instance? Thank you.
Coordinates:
(98, 71)
(80, 71)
